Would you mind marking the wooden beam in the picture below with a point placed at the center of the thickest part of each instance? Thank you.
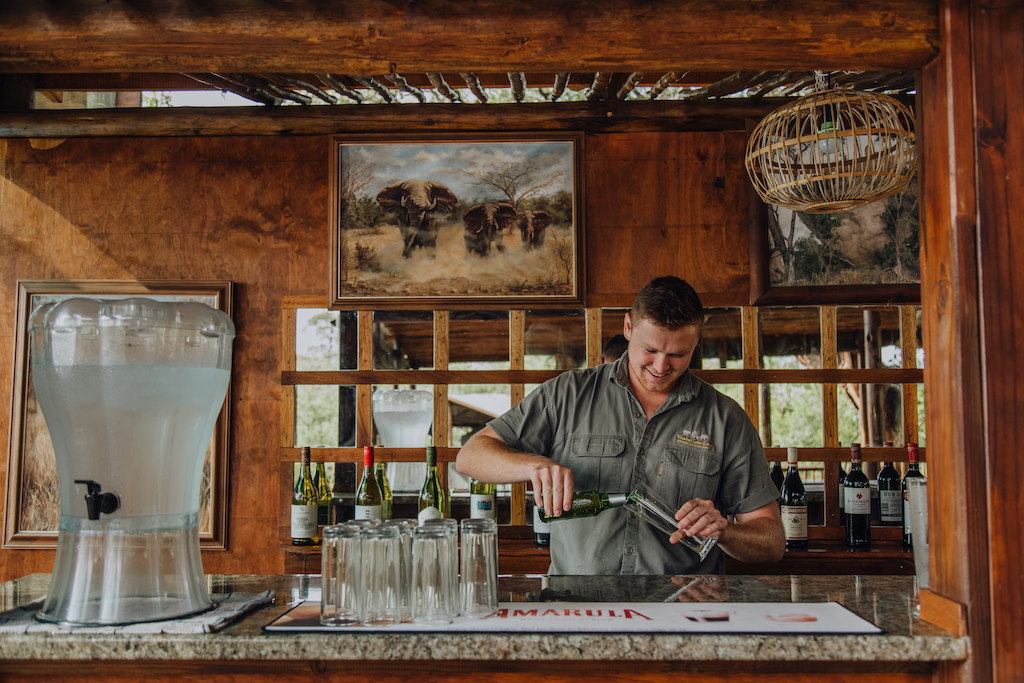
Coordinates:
(379, 37)
(633, 116)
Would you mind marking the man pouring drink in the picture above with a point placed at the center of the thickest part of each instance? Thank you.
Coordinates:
(642, 421)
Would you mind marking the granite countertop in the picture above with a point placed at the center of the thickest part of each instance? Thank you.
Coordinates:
(887, 601)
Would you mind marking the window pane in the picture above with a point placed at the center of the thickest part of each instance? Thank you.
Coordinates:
(478, 340)
(790, 335)
(403, 340)
(791, 414)
(325, 340)
(870, 414)
(474, 405)
(555, 340)
(721, 340)
(324, 416)
(868, 337)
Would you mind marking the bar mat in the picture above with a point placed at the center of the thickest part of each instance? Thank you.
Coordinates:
(229, 607)
(617, 617)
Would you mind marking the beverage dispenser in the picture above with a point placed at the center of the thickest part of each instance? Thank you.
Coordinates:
(130, 389)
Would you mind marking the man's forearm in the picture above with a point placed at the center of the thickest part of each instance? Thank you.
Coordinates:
(755, 540)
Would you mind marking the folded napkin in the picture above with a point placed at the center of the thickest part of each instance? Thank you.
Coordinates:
(229, 606)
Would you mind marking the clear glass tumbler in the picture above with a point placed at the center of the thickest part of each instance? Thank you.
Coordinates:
(382, 567)
(340, 584)
(432, 595)
(478, 580)
(647, 506)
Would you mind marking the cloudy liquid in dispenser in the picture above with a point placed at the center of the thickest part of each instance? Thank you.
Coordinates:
(141, 432)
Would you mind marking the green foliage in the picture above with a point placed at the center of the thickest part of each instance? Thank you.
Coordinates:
(362, 213)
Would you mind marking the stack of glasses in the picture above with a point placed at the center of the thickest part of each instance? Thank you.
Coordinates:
(378, 574)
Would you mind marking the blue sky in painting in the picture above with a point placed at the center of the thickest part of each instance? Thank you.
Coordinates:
(453, 163)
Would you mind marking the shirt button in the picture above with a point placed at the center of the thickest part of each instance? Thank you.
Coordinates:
(629, 550)
(636, 413)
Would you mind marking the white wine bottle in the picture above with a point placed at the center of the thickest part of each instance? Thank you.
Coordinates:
(794, 504)
(387, 495)
(433, 499)
(323, 496)
(369, 500)
(588, 504)
(304, 505)
(482, 499)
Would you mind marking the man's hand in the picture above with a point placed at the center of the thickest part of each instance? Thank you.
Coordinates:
(700, 517)
(552, 487)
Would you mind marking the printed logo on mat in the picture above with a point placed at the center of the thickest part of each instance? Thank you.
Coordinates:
(694, 439)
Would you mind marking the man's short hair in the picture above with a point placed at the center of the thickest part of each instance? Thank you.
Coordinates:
(668, 302)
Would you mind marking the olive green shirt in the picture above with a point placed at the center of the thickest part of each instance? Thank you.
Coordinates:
(699, 444)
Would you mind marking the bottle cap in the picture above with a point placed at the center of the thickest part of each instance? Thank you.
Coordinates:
(367, 456)
(855, 452)
(791, 455)
(431, 456)
(304, 455)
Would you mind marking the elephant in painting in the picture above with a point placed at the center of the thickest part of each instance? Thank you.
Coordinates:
(532, 226)
(416, 204)
(484, 225)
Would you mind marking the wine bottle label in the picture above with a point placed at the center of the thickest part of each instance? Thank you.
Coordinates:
(539, 525)
(428, 512)
(304, 521)
(794, 522)
(481, 506)
(368, 512)
(857, 501)
(891, 505)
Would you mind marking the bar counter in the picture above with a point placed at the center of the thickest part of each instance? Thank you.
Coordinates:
(908, 650)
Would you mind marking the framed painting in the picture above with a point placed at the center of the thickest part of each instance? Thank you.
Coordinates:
(32, 512)
(870, 254)
(456, 220)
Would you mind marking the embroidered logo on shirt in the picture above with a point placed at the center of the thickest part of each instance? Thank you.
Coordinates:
(694, 439)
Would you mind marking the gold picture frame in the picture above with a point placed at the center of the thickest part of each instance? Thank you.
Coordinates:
(500, 221)
(32, 509)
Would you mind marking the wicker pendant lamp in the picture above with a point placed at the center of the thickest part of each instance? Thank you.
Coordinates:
(832, 150)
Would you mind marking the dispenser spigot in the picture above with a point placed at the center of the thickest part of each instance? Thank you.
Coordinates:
(96, 501)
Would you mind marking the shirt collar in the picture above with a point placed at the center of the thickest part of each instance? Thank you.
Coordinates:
(685, 390)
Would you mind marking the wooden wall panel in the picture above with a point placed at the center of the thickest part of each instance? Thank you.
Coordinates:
(253, 210)
(250, 210)
(666, 204)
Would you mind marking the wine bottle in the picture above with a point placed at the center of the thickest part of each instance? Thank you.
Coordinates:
(482, 499)
(857, 502)
(433, 499)
(890, 496)
(588, 504)
(369, 500)
(842, 495)
(344, 496)
(323, 496)
(387, 495)
(541, 530)
(794, 504)
(304, 505)
(777, 475)
(913, 470)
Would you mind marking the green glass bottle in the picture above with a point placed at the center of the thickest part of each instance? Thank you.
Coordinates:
(433, 499)
(323, 495)
(304, 505)
(369, 500)
(387, 495)
(588, 504)
(482, 499)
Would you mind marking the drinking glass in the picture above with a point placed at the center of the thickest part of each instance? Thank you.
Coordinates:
(340, 588)
(917, 497)
(405, 527)
(453, 555)
(382, 547)
(431, 575)
(479, 568)
(647, 506)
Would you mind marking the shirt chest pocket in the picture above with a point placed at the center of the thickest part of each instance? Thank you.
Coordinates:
(684, 473)
(598, 463)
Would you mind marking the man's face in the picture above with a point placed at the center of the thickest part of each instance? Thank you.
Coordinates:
(658, 358)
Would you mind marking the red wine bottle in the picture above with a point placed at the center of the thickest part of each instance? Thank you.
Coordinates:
(913, 470)
(794, 505)
(890, 496)
(857, 502)
(777, 475)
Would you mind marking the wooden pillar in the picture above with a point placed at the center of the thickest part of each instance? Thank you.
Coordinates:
(972, 298)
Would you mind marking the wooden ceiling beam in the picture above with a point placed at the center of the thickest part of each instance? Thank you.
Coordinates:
(433, 36)
(636, 115)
